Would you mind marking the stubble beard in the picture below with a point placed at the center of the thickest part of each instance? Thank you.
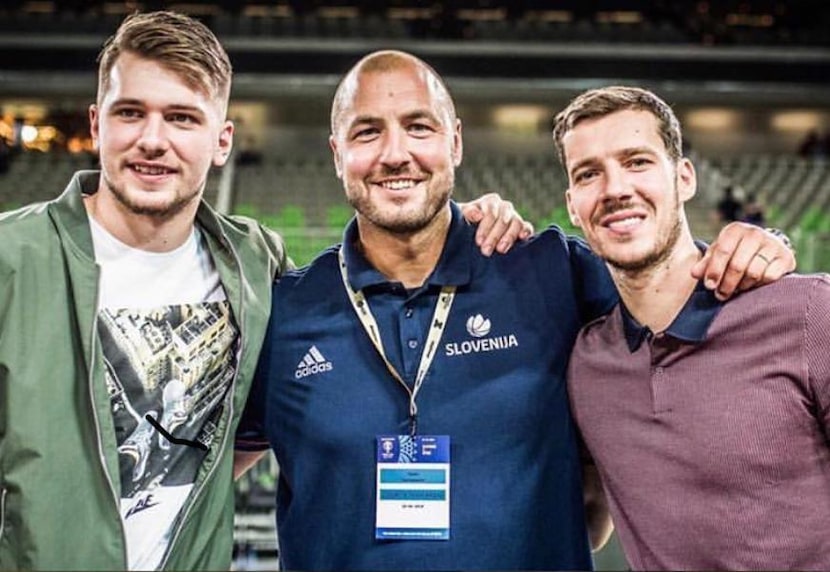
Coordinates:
(660, 253)
(160, 212)
(403, 220)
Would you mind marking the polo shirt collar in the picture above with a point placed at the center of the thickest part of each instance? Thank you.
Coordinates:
(454, 267)
(690, 325)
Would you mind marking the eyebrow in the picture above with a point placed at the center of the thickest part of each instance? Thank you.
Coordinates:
(172, 107)
(187, 108)
(126, 101)
(623, 153)
(417, 114)
(422, 114)
(631, 151)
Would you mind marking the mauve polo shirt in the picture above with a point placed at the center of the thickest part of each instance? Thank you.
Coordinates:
(712, 437)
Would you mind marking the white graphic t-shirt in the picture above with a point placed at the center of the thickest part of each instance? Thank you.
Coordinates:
(169, 343)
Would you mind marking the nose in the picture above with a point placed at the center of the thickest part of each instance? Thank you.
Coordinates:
(152, 140)
(616, 185)
(395, 152)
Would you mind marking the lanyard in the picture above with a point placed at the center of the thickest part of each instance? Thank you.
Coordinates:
(436, 330)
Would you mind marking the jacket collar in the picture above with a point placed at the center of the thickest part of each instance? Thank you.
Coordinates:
(454, 267)
(69, 211)
(70, 215)
(690, 325)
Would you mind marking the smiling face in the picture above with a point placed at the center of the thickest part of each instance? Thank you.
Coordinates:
(157, 137)
(396, 143)
(625, 192)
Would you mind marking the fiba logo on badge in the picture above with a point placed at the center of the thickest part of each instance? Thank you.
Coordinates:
(478, 326)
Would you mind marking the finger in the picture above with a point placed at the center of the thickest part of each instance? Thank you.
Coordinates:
(776, 249)
(502, 229)
(729, 280)
(731, 254)
(471, 211)
(527, 230)
(489, 219)
(778, 268)
(718, 256)
(744, 263)
(699, 268)
(755, 273)
(511, 235)
(775, 267)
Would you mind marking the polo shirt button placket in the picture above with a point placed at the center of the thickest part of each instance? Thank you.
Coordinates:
(660, 390)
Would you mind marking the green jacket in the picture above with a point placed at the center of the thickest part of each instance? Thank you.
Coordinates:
(59, 477)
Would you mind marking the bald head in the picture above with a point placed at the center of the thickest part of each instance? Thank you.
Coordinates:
(387, 61)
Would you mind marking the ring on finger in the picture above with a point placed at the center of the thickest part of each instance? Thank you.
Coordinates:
(762, 257)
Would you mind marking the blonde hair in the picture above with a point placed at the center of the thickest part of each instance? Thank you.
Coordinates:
(176, 41)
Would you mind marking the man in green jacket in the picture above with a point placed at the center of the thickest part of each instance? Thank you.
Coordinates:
(131, 317)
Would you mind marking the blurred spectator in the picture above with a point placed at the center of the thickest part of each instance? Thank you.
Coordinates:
(813, 145)
(753, 211)
(729, 208)
(5, 156)
(248, 153)
(17, 133)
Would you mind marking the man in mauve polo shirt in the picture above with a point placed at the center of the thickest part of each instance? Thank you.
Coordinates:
(708, 421)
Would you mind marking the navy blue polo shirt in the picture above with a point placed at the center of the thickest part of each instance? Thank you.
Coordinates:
(323, 394)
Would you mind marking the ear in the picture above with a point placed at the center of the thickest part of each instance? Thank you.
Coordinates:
(572, 210)
(686, 180)
(225, 144)
(94, 125)
(457, 144)
(338, 167)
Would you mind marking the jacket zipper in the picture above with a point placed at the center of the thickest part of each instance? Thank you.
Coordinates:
(101, 455)
(3, 511)
(230, 396)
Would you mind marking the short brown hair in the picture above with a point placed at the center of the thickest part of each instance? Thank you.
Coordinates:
(384, 61)
(596, 103)
(178, 42)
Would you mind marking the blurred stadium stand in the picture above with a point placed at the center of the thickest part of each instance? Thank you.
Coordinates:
(739, 22)
(731, 68)
(301, 197)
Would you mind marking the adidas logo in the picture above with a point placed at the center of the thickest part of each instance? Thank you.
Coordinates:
(312, 362)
